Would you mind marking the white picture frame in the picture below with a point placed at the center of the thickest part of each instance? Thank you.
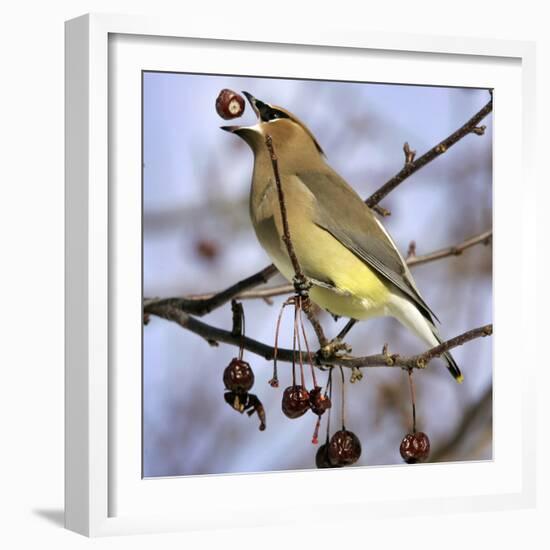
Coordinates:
(105, 494)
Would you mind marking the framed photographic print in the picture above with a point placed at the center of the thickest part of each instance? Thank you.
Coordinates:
(301, 302)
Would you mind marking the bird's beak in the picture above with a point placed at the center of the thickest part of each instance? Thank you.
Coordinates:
(232, 129)
(252, 100)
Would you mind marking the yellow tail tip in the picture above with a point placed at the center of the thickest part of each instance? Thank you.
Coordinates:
(460, 379)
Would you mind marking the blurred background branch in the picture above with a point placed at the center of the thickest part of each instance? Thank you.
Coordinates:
(476, 413)
(200, 304)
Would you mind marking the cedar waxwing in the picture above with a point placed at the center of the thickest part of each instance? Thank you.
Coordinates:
(352, 262)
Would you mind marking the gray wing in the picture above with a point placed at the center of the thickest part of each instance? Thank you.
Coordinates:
(342, 212)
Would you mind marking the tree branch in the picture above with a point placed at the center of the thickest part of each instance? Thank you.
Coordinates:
(214, 335)
(413, 166)
(205, 305)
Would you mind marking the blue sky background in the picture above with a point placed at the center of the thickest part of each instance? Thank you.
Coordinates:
(196, 185)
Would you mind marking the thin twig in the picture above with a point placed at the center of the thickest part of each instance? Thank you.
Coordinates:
(384, 212)
(312, 318)
(286, 230)
(300, 281)
(483, 238)
(411, 167)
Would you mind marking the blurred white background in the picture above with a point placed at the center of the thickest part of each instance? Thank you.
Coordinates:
(198, 238)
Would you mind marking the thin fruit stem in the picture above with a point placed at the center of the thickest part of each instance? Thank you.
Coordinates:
(413, 399)
(343, 398)
(309, 354)
(243, 332)
(294, 351)
(297, 306)
(238, 325)
(329, 389)
(315, 437)
(329, 379)
(274, 382)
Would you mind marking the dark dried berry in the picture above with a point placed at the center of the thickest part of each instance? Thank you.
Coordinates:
(238, 376)
(229, 104)
(318, 401)
(321, 458)
(344, 448)
(295, 401)
(415, 447)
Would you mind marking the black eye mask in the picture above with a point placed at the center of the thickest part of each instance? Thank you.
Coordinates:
(267, 113)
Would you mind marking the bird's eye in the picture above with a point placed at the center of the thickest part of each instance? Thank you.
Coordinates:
(273, 115)
(267, 113)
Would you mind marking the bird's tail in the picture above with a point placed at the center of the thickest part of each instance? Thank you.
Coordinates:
(421, 323)
(451, 363)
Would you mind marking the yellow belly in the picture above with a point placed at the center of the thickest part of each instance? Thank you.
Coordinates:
(345, 305)
(360, 293)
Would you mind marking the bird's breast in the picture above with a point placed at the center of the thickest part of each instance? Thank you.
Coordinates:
(348, 287)
(265, 212)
